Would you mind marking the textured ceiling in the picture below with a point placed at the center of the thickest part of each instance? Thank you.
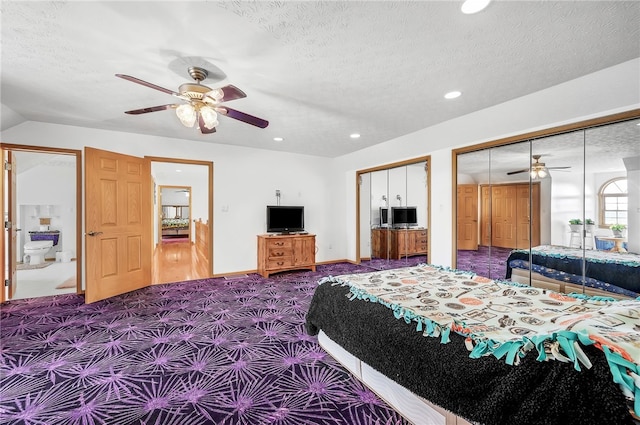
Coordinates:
(318, 71)
(599, 149)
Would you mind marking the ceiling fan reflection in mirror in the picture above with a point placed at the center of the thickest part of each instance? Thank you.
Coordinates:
(538, 170)
(202, 104)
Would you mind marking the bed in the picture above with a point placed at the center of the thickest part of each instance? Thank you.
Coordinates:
(175, 227)
(420, 339)
(559, 268)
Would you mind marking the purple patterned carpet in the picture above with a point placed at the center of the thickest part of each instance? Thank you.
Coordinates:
(487, 261)
(210, 351)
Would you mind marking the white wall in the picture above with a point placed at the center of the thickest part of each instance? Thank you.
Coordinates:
(245, 179)
(53, 186)
(366, 204)
(606, 92)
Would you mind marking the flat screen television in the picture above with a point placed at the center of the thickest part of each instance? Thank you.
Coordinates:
(285, 219)
(404, 216)
(384, 216)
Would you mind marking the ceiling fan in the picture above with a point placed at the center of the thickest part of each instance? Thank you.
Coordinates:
(538, 170)
(201, 103)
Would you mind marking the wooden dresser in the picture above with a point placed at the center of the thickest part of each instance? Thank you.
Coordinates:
(399, 242)
(278, 253)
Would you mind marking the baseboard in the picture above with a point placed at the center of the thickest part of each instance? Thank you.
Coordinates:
(344, 260)
(230, 274)
(321, 263)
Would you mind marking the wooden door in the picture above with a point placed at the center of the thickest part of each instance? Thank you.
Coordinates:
(467, 217)
(526, 209)
(3, 250)
(535, 215)
(379, 243)
(118, 223)
(485, 216)
(3, 238)
(12, 231)
(401, 243)
(503, 210)
(304, 250)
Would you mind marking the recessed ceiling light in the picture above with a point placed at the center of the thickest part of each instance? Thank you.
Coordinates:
(278, 139)
(355, 136)
(474, 6)
(178, 171)
(452, 94)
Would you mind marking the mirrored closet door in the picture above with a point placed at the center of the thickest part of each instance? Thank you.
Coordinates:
(542, 211)
(393, 213)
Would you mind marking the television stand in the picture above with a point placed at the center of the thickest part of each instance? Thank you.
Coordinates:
(398, 243)
(283, 252)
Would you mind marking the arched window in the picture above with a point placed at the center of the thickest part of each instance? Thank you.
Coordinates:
(613, 202)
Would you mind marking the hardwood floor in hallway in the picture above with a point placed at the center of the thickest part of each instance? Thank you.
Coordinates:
(177, 261)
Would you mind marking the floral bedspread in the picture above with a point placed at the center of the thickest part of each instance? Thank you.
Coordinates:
(509, 320)
(172, 223)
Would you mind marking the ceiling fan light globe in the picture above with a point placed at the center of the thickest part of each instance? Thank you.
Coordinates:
(209, 116)
(215, 94)
(186, 114)
(538, 173)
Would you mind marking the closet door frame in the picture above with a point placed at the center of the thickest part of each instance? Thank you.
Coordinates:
(526, 137)
(359, 173)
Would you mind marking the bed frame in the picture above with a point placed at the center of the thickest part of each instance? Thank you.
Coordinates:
(412, 407)
(540, 281)
(429, 382)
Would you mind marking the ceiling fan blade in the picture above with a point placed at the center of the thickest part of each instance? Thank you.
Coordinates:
(150, 109)
(231, 92)
(557, 168)
(203, 128)
(526, 170)
(241, 116)
(147, 84)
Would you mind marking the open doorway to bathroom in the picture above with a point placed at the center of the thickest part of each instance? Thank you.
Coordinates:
(43, 200)
(183, 222)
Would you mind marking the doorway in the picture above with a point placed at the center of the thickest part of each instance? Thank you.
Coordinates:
(42, 200)
(183, 222)
(174, 209)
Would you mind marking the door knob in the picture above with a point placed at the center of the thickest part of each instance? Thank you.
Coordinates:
(92, 233)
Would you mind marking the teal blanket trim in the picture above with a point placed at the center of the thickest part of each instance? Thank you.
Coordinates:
(626, 374)
(592, 297)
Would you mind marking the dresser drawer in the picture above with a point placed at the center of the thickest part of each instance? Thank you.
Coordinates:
(275, 253)
(277, 263)
(280, 243)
